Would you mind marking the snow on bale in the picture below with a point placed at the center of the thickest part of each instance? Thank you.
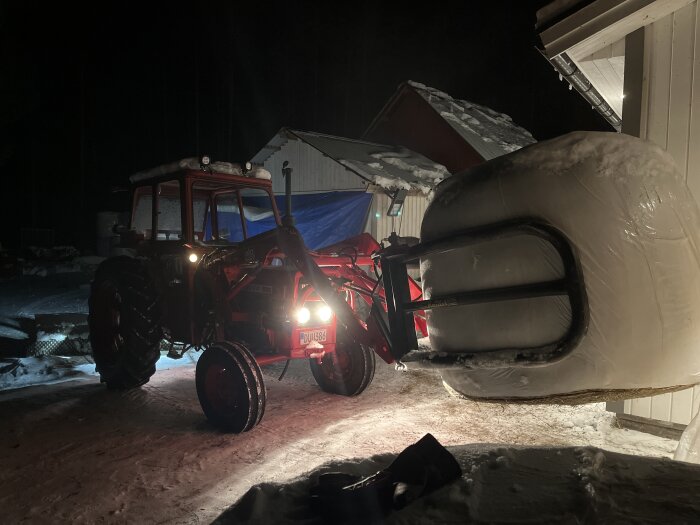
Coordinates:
(636, 230)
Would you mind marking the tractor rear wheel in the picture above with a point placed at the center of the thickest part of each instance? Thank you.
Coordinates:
(124, 323)
(347, 371)
(230, 387)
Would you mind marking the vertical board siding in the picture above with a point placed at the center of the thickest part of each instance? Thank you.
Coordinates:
(671, 118)
(313, 172)
(407, 225)
(659, 80)
(693, 164)
(661, 407)
(646, 84)
(681, 85)
(641, 407)
(682, 406)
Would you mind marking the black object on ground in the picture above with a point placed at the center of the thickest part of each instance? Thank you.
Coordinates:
(419, 469)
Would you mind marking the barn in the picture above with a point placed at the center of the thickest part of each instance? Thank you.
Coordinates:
(638, 64)
(382, 183)
(342, 187)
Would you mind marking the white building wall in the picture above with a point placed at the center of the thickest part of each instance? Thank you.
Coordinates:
(670, 117)
(406, 225)
(313, 172)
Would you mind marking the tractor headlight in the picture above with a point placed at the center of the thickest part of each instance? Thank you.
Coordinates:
(193, 257)
(302, 315)
(324, 313)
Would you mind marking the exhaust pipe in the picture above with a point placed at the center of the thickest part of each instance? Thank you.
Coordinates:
(288, 219)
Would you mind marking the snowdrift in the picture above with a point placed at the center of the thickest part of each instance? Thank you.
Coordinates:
(635, 229)
(508, 485)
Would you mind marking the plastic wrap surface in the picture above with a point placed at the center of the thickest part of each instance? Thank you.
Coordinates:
(689, 445)
(636, 231)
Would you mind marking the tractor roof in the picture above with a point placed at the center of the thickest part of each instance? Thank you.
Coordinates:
(195, 164)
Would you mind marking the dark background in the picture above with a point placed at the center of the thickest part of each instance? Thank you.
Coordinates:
(91, 94)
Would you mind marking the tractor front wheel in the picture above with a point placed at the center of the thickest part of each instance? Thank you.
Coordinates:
(347, 371)
(230, 387)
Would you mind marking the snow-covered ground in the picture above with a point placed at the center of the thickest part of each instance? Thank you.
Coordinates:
(24, 298)
(513, 485)
(76, 452)
(50, 370)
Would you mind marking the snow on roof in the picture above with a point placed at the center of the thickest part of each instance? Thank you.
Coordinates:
(490, 133)
(389, 167)
(190, 163)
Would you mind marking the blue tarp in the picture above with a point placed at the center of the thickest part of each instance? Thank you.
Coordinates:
(322, 218)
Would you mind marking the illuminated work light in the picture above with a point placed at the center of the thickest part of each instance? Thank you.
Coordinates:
(193, 257)
(302, 315)
(324, 313)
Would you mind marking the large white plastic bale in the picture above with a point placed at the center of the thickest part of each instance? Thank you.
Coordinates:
(636, 229)
(689, 444)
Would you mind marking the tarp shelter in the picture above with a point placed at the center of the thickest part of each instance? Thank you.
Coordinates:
(322, 218)
(334, 180)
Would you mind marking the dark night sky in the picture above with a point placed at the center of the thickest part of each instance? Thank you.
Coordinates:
(89, 95)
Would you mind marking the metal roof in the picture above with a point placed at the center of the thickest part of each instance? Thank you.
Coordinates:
(390, 167)
(489, 132)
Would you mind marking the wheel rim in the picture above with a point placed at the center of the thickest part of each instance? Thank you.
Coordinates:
(340, 365)
(220, 388)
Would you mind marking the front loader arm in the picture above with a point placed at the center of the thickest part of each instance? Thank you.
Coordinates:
(292, 245)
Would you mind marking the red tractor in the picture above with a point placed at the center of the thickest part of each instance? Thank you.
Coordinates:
(209, 264)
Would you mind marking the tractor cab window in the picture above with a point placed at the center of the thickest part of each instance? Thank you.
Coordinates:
(142, 215)
(230, 215)
(169, 212)
(215, 212)
(258, 213)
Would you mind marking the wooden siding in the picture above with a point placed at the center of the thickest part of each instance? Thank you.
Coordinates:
(313, 172)
(409, 120)
(670, 117)
(605, 70)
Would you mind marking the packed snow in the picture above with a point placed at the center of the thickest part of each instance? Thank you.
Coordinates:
(514, 485)
(20, 372)
(190, 163)
(399, 168)
(149, 455)
(431, 173)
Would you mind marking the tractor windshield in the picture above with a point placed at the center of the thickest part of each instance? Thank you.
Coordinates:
(227, 215)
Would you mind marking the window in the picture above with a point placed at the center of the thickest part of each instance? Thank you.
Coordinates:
(169, 212)
(257, 211)
(228, 217)
(223, 213)
(143, 211)
(200, 216)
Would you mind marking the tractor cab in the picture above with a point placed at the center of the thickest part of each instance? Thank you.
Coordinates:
(185, 212)
(201, 204)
